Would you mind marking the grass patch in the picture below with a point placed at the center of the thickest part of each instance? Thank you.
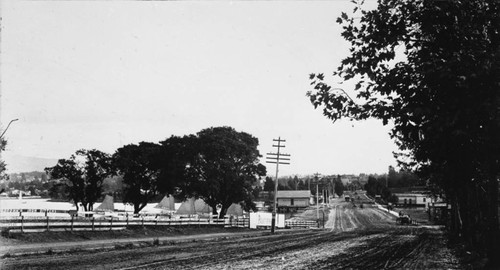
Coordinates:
(131, 232)
(124, 246)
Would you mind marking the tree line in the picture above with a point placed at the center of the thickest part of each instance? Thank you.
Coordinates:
(219, 165)
(333, 184)
(381, 184)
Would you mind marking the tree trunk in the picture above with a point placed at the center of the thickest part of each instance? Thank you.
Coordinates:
(214, 208)
(492, 234)
(223, 210)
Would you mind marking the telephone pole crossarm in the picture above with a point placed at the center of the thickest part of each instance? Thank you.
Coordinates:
(277, 158)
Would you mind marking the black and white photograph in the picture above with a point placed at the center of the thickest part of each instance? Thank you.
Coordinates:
(334, 134)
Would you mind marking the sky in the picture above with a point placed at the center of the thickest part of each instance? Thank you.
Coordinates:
(103, 74)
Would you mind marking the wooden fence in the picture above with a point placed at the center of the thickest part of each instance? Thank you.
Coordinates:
(47, 223)
(299, 223)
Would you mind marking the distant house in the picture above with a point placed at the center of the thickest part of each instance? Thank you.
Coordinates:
(292, 200)
(413, 199)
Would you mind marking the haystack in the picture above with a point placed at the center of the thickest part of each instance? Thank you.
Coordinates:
(186, 208)
(235, 210)
(167, 203)
(107, 204)
(201, 207)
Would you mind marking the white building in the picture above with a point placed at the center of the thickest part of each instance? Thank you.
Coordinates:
(413, 199)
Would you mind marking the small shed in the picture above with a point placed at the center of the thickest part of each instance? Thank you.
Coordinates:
(292, 200)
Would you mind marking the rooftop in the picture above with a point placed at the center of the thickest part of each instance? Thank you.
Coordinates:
(293, 194)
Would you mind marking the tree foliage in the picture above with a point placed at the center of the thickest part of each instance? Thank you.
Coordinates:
(3, 167)
(377, 186)
(223, 167)
(302, 185)
(269, 184)
(176, 156)
(432, 68)
(403, 178)
(338, 187)
(139, 167)
(218, 165)
(83, 174)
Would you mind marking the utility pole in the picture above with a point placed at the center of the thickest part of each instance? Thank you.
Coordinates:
(317, 195)
(277, 158)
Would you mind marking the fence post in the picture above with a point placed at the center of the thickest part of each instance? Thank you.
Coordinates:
(22, 224)
(142, 221)
(127, 219)
(48, 226)
(93, 219)
(111, 224)
(72, 222)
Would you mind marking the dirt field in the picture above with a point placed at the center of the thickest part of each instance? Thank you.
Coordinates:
(354, 238)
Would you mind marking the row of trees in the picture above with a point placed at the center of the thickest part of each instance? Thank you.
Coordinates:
(288, 183)
(432, 68)
(377, 186)
(219, 165)
(333, 184)
(402, 178)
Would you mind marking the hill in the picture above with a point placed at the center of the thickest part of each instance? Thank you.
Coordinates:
(17, 163)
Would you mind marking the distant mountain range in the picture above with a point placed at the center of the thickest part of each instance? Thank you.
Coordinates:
(18, 164)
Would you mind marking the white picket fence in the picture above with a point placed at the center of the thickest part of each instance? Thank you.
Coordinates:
(71, 223)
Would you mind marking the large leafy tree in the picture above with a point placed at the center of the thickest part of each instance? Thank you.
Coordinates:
(138, 165)
(433, 69)
(175, 159)
(83, 174)
(222, 167)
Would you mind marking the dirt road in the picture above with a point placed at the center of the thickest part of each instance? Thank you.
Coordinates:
(345, 216)
(354, 238)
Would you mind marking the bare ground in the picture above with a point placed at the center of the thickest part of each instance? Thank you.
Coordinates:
(354, 238)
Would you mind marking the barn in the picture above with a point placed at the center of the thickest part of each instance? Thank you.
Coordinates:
(292, 200)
